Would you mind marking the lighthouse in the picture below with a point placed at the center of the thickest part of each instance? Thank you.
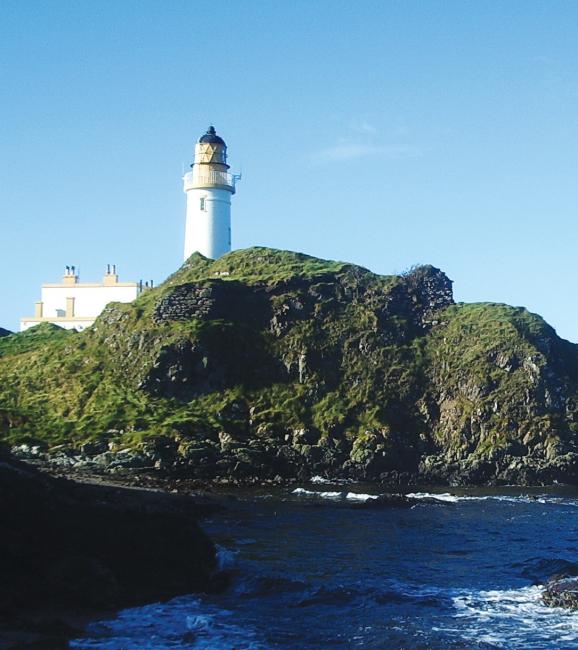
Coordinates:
(209, 187)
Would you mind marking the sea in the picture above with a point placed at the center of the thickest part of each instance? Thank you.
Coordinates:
(325, 565)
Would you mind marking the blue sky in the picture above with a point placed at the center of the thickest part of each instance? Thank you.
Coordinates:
(382, 133)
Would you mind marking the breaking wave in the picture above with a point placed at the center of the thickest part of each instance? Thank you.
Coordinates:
(184, 622)
(522, 498)
(336, 496)
(226, 558)
(514, 618)
(444, 497)
(321, 480)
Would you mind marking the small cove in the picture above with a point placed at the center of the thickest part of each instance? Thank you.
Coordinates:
(324, 566)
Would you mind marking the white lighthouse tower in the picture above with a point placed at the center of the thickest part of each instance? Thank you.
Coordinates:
(209, 187)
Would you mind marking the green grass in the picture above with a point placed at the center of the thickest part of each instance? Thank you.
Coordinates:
(369, 371)
(43, 334)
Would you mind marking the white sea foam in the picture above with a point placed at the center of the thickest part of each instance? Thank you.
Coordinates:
(523, 498)
(445, 497)
(514, 618)
(313, 493)
(198, 622)
(321, 480)
(226, 557)
(438, 497)
(355, 496)
(351, 496)
(184, 622)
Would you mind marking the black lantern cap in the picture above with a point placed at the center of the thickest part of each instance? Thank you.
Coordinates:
(211, 137)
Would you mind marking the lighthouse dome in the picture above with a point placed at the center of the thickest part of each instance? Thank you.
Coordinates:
(211, 137)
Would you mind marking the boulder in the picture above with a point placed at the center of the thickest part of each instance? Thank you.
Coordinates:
(72, 547)
(561, 591)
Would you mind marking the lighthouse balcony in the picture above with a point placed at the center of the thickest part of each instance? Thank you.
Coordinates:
(210, 179)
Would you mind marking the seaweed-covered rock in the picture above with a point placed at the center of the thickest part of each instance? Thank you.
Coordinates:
(561, 592)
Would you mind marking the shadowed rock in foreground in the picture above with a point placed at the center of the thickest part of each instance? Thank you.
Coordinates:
(67, 550)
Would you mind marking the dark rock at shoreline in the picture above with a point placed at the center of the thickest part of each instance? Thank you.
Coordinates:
(385, 501)
(69, 549)
(268, 464)
(561, 591)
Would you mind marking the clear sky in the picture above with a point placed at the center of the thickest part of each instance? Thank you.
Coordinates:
(384, 133)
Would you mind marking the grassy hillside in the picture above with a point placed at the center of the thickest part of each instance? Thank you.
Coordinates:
(279, 360)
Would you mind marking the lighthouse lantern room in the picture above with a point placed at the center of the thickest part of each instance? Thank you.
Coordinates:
(209, 187)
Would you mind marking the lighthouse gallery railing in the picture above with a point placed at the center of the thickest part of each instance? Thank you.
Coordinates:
(213, 178)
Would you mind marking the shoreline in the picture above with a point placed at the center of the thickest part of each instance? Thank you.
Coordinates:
(176, 481)
(52, 628)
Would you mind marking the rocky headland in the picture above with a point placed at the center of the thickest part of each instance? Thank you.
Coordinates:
(268, 365)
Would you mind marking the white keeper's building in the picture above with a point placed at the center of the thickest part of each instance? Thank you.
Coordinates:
(209, 187)
(75, 305)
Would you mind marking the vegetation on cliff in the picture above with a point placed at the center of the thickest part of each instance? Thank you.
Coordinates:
(269, 363)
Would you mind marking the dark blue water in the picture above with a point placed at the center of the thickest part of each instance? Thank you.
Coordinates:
(319, 568)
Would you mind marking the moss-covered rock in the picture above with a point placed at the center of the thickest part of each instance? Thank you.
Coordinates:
(269, 363)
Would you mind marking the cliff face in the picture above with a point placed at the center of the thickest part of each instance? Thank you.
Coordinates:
(268, 363)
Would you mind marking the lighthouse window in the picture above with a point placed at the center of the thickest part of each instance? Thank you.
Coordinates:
(203, 203)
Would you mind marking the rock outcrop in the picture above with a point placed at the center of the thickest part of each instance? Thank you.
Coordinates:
(68, 549)
(561, 591)
(270, 365)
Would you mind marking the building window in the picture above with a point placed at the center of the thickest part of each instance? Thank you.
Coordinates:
(203, 203)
